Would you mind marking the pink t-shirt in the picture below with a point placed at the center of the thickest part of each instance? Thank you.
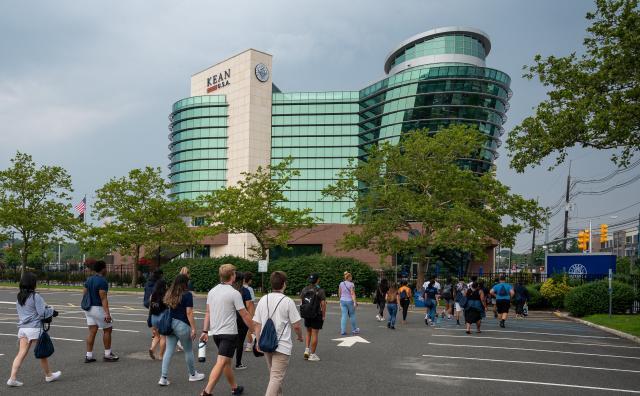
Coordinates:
(345, 291)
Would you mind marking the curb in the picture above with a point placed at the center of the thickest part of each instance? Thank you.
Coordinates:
(618, 333)
(44, 287)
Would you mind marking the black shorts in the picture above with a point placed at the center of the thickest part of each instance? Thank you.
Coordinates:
(315, 323)
(226, 344)
(503, 306)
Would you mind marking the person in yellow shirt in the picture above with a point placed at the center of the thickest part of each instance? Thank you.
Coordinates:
(405, 299)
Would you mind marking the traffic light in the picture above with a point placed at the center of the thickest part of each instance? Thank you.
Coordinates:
(582, 244)
(587, 239)
(604, 233)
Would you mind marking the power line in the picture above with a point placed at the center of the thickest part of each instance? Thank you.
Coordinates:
(609, 189)
(607, 214)
(609, 176)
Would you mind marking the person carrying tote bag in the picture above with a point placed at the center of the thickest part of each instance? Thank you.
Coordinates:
(33, 313)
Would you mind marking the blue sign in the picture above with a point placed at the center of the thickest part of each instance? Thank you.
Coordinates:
(581, 265)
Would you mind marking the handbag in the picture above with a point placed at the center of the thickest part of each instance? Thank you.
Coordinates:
(44, 348)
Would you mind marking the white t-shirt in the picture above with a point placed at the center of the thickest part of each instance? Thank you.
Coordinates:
(426, 284)
(223, 301)
(283, 318)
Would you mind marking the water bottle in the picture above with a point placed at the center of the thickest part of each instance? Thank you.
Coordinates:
(202, 351)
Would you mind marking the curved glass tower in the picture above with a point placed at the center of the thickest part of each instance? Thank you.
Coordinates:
(237, 120)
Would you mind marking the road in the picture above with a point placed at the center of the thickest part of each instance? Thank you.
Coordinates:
(540, 355)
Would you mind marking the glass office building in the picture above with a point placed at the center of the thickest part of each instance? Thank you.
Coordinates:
(236, 118)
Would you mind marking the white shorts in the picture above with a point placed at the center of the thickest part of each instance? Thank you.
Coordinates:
(95, 317)
(30, 333)
(458, 307)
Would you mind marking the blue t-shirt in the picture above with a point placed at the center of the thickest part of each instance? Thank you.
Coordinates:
(246, 295)
(431, 292)
(180, 312)
(94, 284)
(502, 295)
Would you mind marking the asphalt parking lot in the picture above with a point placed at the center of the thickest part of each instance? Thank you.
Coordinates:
(540, 355)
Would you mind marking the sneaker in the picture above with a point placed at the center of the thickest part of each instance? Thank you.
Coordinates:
(89, 360)
(163, 382)
(111, 358)
(241, 367)
(54, 376)
(502, 324)
(238, 390)
(196, 377)
(248, 347)
(343, 334)
(14, 383)
(426, 322)
(307, 352)
(314, 358)
(458, 322)
(388, 325)
(356, 331)
(378, 318)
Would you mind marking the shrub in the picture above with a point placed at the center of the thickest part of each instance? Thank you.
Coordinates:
(554, 291)
(536, 301)
(331, 270)
(593, 298)
(204, 271)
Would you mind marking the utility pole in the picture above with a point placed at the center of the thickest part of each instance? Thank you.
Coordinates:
(566, 211)
(638, 252)
(510, 254)
(532, 259)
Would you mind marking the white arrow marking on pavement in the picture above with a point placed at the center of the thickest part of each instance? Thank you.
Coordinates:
(349, 341)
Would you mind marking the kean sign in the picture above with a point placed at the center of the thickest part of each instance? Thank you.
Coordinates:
(218, 81)
(581, 265)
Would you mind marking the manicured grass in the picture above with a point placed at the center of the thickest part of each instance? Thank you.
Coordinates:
(627, 323)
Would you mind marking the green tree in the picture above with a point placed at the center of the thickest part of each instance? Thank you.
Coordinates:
(253, 206)
(35, 204)
(137, 215)
(593, 98)
(418, 188)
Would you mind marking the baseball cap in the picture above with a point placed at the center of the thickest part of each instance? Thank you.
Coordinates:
(314, 277)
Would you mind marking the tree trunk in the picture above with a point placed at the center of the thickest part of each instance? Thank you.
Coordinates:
(134, 274)
(24, 257)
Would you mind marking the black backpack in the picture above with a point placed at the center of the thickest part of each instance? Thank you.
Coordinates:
(310, 307)
(503, 291)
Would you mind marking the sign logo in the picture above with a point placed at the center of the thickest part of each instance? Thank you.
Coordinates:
(577, 270)
(218, 81)
(262, 72)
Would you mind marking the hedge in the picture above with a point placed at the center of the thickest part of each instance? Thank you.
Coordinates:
(555, 291)
(593, 298)
(536, 301)
(204, 272)
(331, 271)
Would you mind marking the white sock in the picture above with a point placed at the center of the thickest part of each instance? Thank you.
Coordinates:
(107, 352)
(89, 355)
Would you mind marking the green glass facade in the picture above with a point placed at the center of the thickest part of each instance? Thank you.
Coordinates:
(434, 79)
(198, 146)
(320, 131)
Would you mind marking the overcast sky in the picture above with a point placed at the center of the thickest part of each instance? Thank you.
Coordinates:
(89, 85)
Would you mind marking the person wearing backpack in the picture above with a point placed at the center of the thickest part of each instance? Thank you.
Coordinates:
(393, 302)
(405, 299)
(460, 299)
(180, 301)
(149, 287)
(156, 306)
(447, 294)
(32, 311)
(276, 314)
(223, 301)
(243, 329)
(431, 291)
(502, 293)
(98, 315)
(381, 291)
(313, 310)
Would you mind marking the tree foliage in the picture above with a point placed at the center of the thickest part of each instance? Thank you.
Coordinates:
(253, 206)
(593, 98)
(137, 214)
(417, 187)
(35, 204)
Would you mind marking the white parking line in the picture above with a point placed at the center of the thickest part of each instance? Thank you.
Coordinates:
(78, 327)
(543, 341)
(535, 332)
(535, 363)
(53, 338)
(535, 350)
(528, 382)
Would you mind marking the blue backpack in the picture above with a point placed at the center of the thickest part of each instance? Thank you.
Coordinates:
(162, 322)
(268, 336)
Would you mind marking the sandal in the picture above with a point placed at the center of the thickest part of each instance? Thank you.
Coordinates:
(204, 393)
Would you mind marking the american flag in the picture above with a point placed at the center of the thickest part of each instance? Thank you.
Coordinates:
(81, 207)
